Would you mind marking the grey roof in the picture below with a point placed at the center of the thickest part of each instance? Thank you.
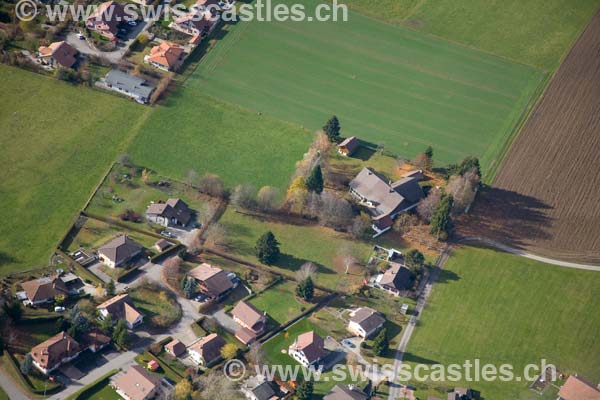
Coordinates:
(386, 198)
(397, 276)
(367, 318)
(345, 392)
(120, 248)
(129, 83)
(172, 208)
(264, 391)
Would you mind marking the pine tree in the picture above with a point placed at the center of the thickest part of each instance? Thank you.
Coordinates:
(306, 289)
(332, 129)
(26, 364)
(428, 158)
(380, 343)
(414, 259)
(468, 164)
(110, 288)
(441, 222)
(190, 288)
(305, 390)
(267, 248)
(314, 182)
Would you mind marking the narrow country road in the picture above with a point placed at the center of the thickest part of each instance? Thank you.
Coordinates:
(522, 253)
(412, 323)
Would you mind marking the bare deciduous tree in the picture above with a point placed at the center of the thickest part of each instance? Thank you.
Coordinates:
(244, 196)
(335, 212)
(212, 185)
(405, 222)
(267, 198)
(207, 212)
(256, 354)
(215, 385)
(360, 226)
(216, 235)
(428, 204)
(307, 270)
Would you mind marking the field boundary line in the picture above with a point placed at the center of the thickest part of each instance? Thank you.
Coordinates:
(531, 256)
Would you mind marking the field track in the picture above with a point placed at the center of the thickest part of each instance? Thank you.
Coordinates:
(546, 194)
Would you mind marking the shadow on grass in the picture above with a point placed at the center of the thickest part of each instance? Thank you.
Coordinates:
(293, 263)
(363, 153)
(447, 276)
(413, 358)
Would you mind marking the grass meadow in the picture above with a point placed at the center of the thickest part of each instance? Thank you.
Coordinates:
(387, 84)
(57, 142)
(533, 32)
(502, 308)
(194, 131)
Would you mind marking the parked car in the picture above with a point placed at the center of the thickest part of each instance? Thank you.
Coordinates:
(167, 234)
(202, 298)
(59, 309)
(348, 343)
(131, 23)
(80, 36)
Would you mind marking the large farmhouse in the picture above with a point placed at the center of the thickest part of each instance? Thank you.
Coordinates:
(385, 200)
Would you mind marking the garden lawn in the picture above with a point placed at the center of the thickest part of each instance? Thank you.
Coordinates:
(274, 355)
(280, 302)
(57, 142)
(136, 195)
(299, 244)
(535, 32)
(102, 392)
(502, 308)
(94, 234)
(158, 308)
(194, 131)
(387, 84)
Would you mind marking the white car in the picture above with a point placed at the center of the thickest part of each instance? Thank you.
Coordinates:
(131, 23)
(80, 36)
(59, 309)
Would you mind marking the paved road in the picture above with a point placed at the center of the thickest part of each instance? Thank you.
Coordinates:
(12, 389)
(412, 323)
(522, 253)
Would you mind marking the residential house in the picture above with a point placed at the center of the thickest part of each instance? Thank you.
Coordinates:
(395, 280)
(173, 212)
(166, 56)
(175, 348)
(44, 290)
(576, 388)
(136, 88)
(121, 307)
(52, 353)
(119, 251)
(162, 244)
(258, 388)
(251, 320)
(364, 322)
(207, 350)
(200, 21)
(136, 384)
(348, 146)
(461, 394)
(105, 19)
(58, 54)
(95, 340)
(385, 200)
(308, 348)
(346, 392)
(212, 281)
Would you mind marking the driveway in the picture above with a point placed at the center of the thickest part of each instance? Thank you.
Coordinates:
(226, 321)
(82, 45)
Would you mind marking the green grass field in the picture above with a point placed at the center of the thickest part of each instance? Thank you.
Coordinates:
(57, 141)
(534, 32)
(299, 244)
(386, 84)
(280, 302)
(194, 131)
(502, 308)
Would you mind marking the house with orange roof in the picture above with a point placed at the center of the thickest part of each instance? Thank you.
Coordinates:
(58, 54)
(166, 56)
(308, 348)
(106, 18)
(576, 388)
(52, 353)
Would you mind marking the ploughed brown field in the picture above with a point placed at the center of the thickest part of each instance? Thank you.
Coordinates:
(546, 196)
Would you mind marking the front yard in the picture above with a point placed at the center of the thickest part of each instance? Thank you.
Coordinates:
(280, 302)
(159, 308)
